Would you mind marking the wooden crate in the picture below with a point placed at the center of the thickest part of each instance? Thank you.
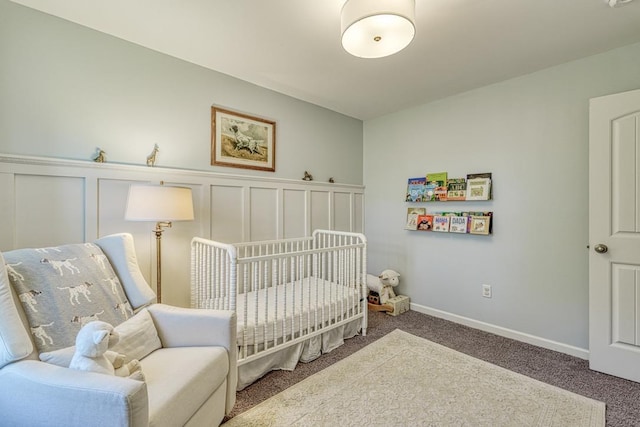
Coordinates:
(400, 304)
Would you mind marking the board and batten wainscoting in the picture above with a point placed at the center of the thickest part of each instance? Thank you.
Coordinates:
(48, 202)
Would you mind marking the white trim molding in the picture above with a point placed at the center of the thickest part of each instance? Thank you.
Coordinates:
(49, 201)
(581, 353)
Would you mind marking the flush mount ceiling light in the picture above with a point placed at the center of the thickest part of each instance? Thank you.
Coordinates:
(616, 3)
(377, 28)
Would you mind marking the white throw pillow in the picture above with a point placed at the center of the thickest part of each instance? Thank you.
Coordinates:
(138, 336)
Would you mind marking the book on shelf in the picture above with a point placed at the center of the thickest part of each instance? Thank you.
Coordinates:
(441, 193)
(416, 189)
(412, 217)
(430, 191)
(425, 222)
(458, 224)
(480, 224)
(440, 177)
(479, 175)
(484, 213)
(479, 186)
(456, 189)
(439, 183)
(441, 223)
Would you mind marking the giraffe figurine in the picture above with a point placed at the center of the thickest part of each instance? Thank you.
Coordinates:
(101, 157)
(151, 158)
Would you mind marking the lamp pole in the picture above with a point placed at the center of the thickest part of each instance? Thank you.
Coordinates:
(160, 204)
(158, 231)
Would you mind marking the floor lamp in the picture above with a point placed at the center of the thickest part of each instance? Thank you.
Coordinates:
(162, 204)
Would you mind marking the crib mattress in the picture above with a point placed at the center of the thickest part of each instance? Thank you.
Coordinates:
(280, 311)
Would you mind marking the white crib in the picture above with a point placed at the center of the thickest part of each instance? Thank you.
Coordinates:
(294, 298)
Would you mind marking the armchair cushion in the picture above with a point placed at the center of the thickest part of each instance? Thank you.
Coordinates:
(15, 343)
(176, 329)
(181, 379)
(62, 288)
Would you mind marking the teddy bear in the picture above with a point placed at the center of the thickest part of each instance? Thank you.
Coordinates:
(92, 352)
(383, 284)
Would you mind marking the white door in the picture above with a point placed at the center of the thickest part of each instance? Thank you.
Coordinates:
(614, 234)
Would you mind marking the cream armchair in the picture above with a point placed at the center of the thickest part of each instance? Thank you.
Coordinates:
(188, 356)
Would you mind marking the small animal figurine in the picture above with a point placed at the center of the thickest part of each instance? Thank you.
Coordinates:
(151, 158)
(307, 176)
(101, 157)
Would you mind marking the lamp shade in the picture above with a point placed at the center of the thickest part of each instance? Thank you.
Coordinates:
(377, 28)
(159, 203)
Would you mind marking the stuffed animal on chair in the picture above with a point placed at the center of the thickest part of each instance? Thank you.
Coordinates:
(383, 284)
(92, 352)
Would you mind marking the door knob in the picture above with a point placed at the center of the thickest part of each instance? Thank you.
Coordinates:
(600, 248)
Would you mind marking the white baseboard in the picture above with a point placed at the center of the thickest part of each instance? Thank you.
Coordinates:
(504, 332)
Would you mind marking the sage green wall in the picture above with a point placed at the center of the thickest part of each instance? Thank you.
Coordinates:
(66, 90)
(532, 134)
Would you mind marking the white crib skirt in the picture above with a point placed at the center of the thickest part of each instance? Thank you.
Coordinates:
(306, 351)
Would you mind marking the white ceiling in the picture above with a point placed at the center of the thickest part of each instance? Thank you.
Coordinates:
(293, 46)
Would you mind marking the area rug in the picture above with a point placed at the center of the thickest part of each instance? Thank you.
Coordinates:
(404, 380)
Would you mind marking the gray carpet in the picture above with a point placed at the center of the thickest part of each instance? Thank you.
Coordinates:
(622, 397)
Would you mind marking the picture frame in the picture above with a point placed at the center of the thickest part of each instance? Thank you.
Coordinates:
(242, 141)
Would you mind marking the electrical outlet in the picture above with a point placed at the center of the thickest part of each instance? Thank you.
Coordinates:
(486, 291)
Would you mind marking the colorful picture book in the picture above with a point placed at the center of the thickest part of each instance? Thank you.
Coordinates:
(479, 225)
(458, 224)
(479, 186)
(439, 177)
(416, 189)
(412, 217)
(430, 191)
(441, 223)
(438, 181)
(425, 222)
(441, 193)
(456, 189)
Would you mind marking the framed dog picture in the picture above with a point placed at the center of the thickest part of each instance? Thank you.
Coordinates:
(242, 141)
